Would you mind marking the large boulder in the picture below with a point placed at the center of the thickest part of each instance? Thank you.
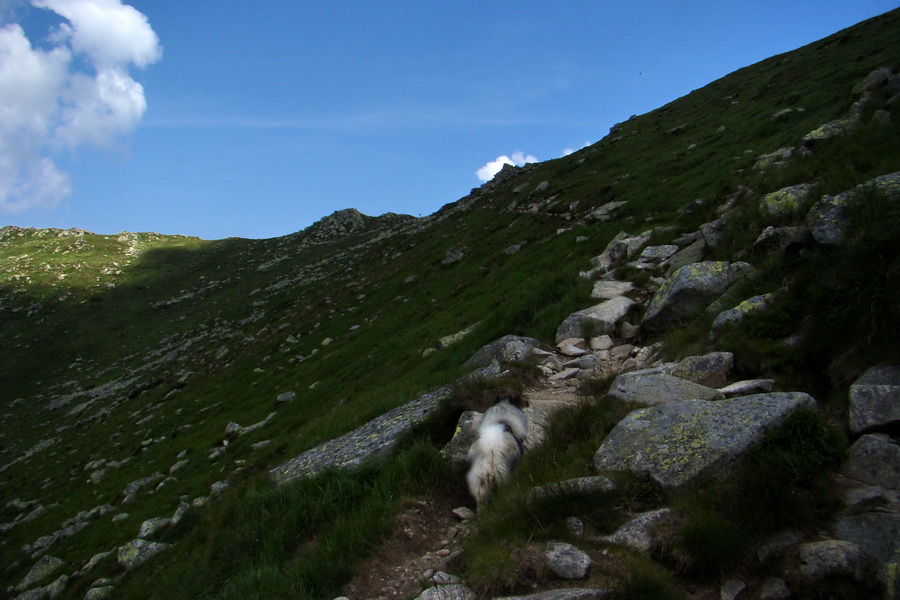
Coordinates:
(506, 350)
(690, 287)
(829, 220)
(677, 442)
(596, 320)
(786, 201)
(733, 315)
(653, 386)
(875, 399)
(874, 459)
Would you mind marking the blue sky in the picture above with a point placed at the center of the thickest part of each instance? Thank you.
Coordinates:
(244, 119)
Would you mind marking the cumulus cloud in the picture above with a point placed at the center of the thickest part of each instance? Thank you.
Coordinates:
(487, 172)
(73, 91)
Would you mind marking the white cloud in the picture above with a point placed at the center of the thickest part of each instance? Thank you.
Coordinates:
(48, 103)
(487, 172)
(568, 151)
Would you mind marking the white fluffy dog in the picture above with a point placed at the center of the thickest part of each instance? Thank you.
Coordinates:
(501, 441)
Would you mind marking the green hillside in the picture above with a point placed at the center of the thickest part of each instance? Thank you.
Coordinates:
(126, 354)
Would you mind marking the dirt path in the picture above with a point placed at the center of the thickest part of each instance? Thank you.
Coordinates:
(426, 539)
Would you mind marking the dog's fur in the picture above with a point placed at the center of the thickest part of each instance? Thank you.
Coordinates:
(501, 441)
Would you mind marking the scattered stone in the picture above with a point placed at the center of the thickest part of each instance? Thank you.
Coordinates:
(442, 578)
(733, 315)
(676, 442)
(449, 340)
(120, 517)
(99, 593)
(177, 466)
(607, 290)
(776, 158)
(819, 560)
(690, 287)
(506, 350)
(572, 347)
(40, 571)
(454, 591)
(453, 255)
(875, 399)
(217, 488)
(748, 387)
(566, 561)
(693, 253)
(95, 559)
(786, 201)
(575, 526)
(784, 239)
(637, 534)
(651, 387)
(710, 369)
(286, 397)
(602, 342)
(136, 552)
(595, 320)
(464, 513)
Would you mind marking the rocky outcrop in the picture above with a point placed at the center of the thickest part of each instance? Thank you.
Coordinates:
(677, 442)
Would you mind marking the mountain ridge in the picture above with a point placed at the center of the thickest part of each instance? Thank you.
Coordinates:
(128, 354)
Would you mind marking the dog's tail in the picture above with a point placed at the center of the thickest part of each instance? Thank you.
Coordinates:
(493, 456)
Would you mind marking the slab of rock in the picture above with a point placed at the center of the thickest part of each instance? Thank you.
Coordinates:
(875, 399)
(748, 387)
(653, 387)
(566, 561)
(676, 442)
(508, 349)
(637, 534)
(690, 287)
(710, 369)
(595, 320)
(874, 459)
(137, 552)
(375, 437)
(878, 535)
(607, 290)
(657, 254)
(774, 588)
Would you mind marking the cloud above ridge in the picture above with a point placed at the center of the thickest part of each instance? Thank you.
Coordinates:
(487, 172)
(75, 90)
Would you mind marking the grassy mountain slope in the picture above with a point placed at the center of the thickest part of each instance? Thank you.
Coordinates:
(141, 348)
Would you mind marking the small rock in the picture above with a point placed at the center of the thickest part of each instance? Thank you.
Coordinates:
(637, 534)
(137, 552)
(286, 397)
(819, 560)
(41, 570)
(748, 387)
(567, 561)
(463, 513)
